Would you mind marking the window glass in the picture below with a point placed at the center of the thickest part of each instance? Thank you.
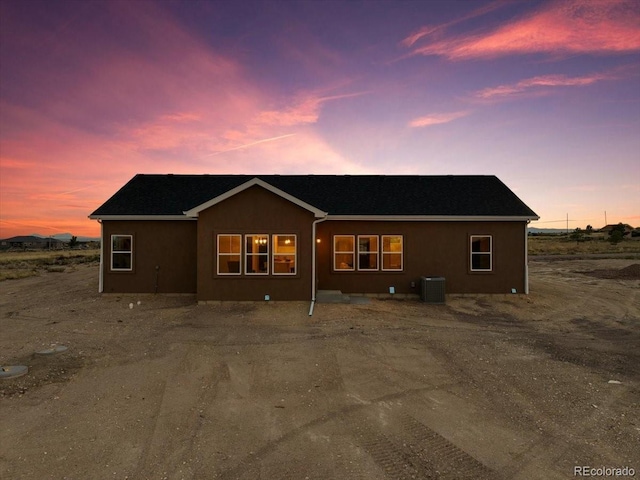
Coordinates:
(343, 252)
(256, 254)
(367, 252)
(121, 252)
(284, 254)
(229, 254)
(481, 254)
(392, 252)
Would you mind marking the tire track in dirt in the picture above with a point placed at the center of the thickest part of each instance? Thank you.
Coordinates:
(429, 456)
(442, 456)
(178, 418)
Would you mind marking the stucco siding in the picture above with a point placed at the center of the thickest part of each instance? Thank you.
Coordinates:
(254, 211)
(163, 257)
(430, 249)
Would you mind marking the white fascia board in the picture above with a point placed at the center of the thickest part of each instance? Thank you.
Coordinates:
(139, 217)
(430, 218)
(261, 183)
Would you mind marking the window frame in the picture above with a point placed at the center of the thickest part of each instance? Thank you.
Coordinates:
(472, 253)
(218, 255)
(368, 252)
(258, 254)
(352, 252)
(129, 252)
(383, 253)
(274, 254)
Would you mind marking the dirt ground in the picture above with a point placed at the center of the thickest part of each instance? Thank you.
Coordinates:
(484, 387)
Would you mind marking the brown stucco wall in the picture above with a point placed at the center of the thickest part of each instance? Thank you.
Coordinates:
(254, 211)
(185, 253)
(430, 249)
(170, 245)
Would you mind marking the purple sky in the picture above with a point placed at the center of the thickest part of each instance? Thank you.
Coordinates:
(545, 95)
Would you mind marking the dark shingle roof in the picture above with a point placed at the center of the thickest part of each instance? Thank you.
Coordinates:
(447, 195)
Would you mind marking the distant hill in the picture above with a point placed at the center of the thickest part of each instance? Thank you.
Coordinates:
(548, 231)
(65, 237)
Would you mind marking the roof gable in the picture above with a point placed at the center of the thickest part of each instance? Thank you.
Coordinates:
(254, 182)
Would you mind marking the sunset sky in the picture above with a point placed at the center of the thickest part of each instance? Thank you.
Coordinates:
(543, 94)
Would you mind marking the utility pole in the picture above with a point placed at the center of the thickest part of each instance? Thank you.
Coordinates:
(567, 224)
(605, 218)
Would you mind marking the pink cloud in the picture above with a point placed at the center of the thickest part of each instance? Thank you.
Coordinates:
(430, 30)
(539, 84)
(609, 26)
(127, 112)
(437, 118)
(304, 111)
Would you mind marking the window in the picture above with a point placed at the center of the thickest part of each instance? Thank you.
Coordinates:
(481, 260)
(392, 252)
(367, 252)
(122, 253)
(343, 252)
(256, 250)
(284, 254)
(229, 254)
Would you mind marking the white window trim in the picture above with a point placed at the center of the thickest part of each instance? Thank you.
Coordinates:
(274, 254)
(383, 253)
(130, 252)
(352, 252)
(247, 254)
(377, 252)
(218, 254)
(472, 253)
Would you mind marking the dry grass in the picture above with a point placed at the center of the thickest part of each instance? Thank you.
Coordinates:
(561, 245)
(29, 263)
(26, 264)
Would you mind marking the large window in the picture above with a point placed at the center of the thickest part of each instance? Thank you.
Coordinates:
(229, 254)
(257, 254)
(122, 253)
(373, 252)
(343, 252)
(392, 252)
(368, 252)
(284, 254)
(256, 250)
(481, 253)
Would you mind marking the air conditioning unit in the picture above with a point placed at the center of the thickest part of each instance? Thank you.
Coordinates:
(432, 289)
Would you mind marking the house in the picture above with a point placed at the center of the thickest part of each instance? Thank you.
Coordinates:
(245, 237)
(626, 228)
(32, 242)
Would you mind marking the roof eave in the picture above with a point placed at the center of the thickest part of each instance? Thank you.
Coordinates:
(436, 218)
(140, 217)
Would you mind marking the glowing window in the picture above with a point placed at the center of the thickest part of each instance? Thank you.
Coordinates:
(229, 254)
(343, 252)
(284, 254)
(392, 252)
(256, 251)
